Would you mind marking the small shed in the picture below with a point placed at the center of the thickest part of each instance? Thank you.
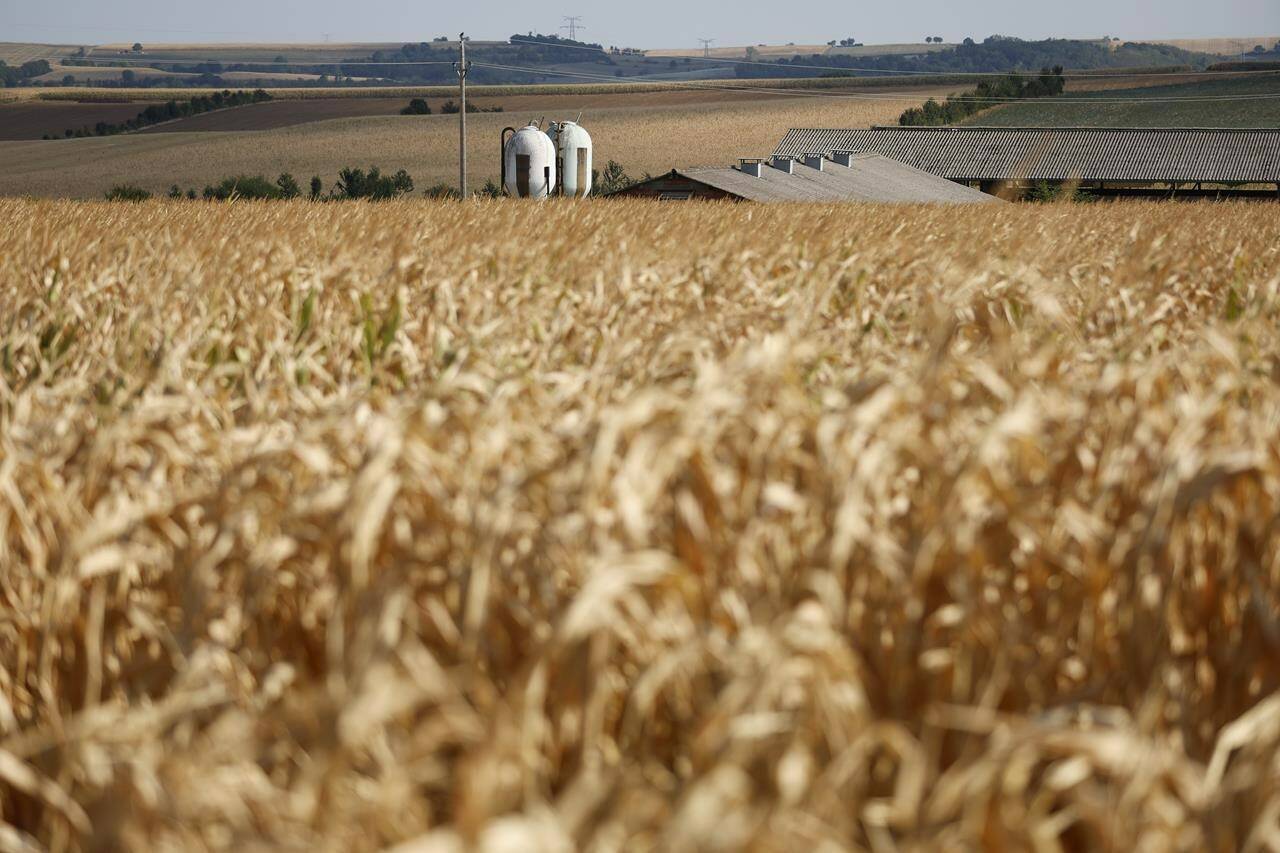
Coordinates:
(814, 177)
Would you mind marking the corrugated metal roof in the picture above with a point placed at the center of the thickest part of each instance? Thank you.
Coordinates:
(870, 177)
(1061, 154)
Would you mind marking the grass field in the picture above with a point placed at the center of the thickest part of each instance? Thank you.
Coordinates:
(1085, 108)
(646, 136)
(639, 526)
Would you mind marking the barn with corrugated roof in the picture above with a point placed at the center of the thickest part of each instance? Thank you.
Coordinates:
(813, 177)
(1187, 162)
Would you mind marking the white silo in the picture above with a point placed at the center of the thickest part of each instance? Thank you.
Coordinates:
(574, 145)
(528, 163)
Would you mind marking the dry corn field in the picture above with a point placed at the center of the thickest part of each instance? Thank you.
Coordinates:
(639, 526)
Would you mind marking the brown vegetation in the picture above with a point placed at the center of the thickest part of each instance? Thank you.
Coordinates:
(639, 526)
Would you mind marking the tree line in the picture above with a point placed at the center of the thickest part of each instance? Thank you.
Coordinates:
(158, 113)
(10, 76)
(352, 184)
(994, 54)
(987, 94)
(420, 107)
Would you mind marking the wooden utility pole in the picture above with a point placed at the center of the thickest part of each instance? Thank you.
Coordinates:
(462, 67)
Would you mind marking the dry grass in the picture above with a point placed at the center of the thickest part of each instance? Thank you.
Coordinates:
(16, 53)
(644, 138)
(686, 527)
(1227, 46)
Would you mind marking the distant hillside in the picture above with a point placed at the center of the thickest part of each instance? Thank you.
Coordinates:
(996, 54)
(540, 59)
(1101, 109)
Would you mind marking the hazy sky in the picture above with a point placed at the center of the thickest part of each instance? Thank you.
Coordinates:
(652, 23)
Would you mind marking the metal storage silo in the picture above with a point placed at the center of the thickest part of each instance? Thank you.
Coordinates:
(575, 159)
(528, 163)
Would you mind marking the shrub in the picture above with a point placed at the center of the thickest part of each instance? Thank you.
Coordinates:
(451, 108)
(127, 192)
(317, 187)
(417, 107)
(356, 183)
(441, 191)
(244, 186)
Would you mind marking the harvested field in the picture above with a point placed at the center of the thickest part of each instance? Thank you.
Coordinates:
(34, 119)
(889, 49)
(687, 527)
(1222, 46)
(233, 52)
(519, 109)
(282, 114)
(850, 84)
(16, 53)
(641, 138)
(764, 51)
(97, 76)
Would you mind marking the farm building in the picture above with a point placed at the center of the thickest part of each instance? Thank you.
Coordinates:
(812, 177)
(1153, 162)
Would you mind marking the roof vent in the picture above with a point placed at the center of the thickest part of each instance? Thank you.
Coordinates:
(814, 161)
(844, 158)
(784, 164)
(752, 167)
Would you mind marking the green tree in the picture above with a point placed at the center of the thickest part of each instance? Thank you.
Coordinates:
(137, 47)
(288, 186)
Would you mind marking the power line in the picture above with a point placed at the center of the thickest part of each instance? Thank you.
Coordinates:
(573, 24)
(721, 86)
(706, 47)
(718, 60)
(146, 61)
(558, 44)
(724, 85)
(724, 61)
